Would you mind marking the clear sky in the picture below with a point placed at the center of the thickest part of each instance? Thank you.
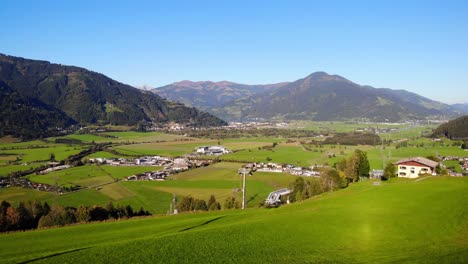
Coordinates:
(419, 46)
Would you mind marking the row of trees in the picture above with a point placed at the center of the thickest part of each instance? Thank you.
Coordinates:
(347, 170)
(240, 133)
(354, 167)
(330, 180)
(354, 138)
(34, 214)
(188, 203)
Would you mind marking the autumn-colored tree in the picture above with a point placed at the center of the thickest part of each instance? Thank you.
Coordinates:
(186, 204)
(330, 180)
(83, 214)
(12, 218)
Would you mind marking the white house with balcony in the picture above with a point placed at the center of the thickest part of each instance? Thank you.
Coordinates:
(413, 167)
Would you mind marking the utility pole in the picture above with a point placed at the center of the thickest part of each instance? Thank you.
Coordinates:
(243, 171)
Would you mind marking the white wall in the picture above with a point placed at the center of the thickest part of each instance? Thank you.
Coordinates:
(412, 171)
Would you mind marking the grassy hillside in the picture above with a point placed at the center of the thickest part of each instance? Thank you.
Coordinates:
(401, 221)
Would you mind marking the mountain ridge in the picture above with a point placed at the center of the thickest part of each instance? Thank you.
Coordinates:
(318, 96)
(88, 97)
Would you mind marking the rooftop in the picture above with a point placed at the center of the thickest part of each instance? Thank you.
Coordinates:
(421, 160)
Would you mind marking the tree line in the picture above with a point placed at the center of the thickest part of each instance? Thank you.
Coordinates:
(188, 204)
(346, 171)
(34, 214)
(354, 139)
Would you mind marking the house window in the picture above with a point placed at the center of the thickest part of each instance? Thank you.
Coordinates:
(402, 167)
(402, 173)
(424, 169)
(412, 171)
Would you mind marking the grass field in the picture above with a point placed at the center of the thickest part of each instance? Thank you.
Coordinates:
(219, 179)
(168, 149)
(41, 154)
(124, 136)
(6, 169)
(178, 148)
(396, 222)
(85, 176)
(120, 172)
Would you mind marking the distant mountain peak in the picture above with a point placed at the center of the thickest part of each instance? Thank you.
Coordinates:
(323, 76)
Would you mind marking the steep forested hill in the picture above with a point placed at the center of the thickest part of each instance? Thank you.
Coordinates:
(75, 94)
(454, 129)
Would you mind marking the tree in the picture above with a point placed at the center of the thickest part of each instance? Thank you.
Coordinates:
(110, 208)
(83, 214)
(98, 213)
(363, 164)
(355, 166)
(389, 172)
(200, 205)
(26, 219)
(213, 205)
(129, 211)
(211, 201)
(58, 216)
(12, 218)
(186, 204)
(231, 203)
(52, 157)
(330, 180)
(297, 190)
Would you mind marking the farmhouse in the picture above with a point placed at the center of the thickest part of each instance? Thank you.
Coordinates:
(413, 167)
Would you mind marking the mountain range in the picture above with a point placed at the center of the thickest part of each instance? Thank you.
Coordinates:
(39, 97)
(319, 96)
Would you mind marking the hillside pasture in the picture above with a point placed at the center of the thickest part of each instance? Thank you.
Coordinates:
(396, 222)
(85, 176)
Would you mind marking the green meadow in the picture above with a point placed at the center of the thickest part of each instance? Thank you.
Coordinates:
(400, 221)
(221, 180)
(40, 154)
(179, 148)
(124, 136)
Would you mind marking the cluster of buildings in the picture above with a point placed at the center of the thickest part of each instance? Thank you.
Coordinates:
(24, 182)
(175, 166)
(170, 165)
(285, 168)
(56, 168)
(211, 150)
(254, 125)
(141, 161)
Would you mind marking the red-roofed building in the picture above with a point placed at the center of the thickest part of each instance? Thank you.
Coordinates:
(413, 167)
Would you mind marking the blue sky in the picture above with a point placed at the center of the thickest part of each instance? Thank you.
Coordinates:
(419, 46)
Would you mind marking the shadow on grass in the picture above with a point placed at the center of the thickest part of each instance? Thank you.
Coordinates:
(53, 255)
(205, 223)
(252, 198)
